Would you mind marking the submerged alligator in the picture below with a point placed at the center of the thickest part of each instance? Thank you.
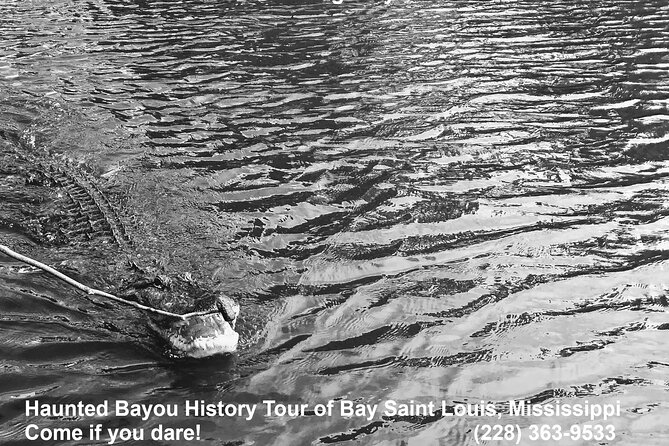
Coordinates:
(54, 202)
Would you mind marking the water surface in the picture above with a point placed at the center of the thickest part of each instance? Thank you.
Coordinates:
(412, 200)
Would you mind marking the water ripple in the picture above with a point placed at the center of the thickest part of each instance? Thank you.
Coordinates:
(413, 200)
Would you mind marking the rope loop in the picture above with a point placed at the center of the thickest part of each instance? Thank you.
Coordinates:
(92, 291)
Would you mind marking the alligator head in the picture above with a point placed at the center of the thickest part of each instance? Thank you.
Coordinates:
(198, 336)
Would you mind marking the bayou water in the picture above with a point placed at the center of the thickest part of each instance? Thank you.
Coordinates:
(416, 201)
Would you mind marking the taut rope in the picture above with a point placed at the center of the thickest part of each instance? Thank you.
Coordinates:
(93, 291)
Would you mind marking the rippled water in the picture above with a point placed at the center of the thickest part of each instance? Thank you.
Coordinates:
(412, 200)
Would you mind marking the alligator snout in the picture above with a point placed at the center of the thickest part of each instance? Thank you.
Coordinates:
(198, 336)
(205, 335)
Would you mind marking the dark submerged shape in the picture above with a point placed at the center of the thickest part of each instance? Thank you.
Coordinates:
(63, 205)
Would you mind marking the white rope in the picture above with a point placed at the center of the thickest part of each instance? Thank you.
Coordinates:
(93, 291)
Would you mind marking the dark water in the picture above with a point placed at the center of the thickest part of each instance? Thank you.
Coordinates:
(419, 200)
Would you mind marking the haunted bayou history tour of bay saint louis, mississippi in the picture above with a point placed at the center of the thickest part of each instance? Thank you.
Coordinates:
(334, 222)
(345, 408)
